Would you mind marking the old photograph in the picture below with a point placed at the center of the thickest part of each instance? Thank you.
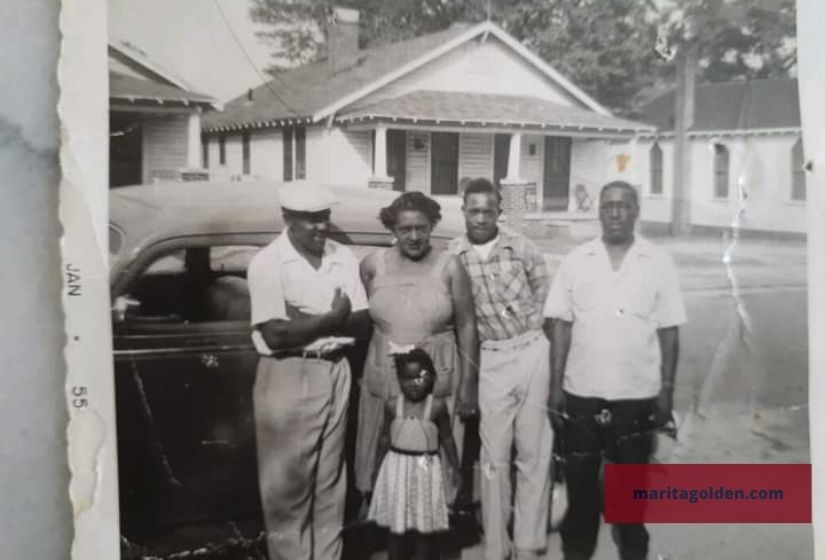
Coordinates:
(409, 279)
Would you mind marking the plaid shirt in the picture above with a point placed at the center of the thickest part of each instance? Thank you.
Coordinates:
(509, 288)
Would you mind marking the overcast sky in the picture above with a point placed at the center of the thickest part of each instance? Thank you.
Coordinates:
(192, 39)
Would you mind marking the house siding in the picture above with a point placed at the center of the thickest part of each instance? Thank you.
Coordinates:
(418, 162)
(344, 157)
(164, 146)
(531, 167)
(491, 67)
(266, 154)
(475, 155)
(762, 165)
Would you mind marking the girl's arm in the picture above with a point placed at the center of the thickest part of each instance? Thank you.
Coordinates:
(441, 417)
(383, 439)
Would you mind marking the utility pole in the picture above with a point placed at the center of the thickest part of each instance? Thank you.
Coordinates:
(685, 100)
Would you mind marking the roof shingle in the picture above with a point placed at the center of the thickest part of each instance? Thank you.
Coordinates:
(302, 91)
(741, 105)
(488, 109)
(137, 89)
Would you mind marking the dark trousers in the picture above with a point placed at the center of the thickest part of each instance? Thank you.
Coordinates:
(624, 437)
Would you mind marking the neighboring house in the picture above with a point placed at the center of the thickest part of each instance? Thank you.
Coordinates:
(154, 119)
(420, 115)
(745, 154)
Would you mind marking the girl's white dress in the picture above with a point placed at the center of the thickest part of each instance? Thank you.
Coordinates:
(409, 493)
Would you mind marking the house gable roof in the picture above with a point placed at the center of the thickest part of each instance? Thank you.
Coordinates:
(732, 106)
(313, 92)
(155, 84)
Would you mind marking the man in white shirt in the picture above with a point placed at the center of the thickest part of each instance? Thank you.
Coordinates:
(612, 315)
(307, 303)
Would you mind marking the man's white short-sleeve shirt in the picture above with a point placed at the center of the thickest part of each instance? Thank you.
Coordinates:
(614, 349)
(282, 282)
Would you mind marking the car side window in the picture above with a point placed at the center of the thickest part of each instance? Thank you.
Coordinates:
(191, 285)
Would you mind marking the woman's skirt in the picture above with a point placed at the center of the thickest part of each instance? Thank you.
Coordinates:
(409, 494)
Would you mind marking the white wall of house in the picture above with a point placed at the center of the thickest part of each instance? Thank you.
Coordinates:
(165, 146)
(418, 161)
(346, 156)
(475, 155)
(491, 67)
(266, 156)
(531, 167)
(761, 164)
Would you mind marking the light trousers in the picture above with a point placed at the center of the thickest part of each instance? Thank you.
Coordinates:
(514, 381)
(300, 423)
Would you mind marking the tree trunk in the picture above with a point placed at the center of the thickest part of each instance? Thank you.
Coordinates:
(686, 63)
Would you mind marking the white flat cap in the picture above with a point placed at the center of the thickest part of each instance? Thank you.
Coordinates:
(306, 198)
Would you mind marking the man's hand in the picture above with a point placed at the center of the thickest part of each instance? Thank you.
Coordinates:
(341, 305)
(556, 408)
(467, 402)
(664, 408)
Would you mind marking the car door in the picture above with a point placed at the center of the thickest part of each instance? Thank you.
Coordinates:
(184, 367)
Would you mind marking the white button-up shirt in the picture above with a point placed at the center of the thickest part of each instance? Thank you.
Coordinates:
(282, 282)
(614, 350)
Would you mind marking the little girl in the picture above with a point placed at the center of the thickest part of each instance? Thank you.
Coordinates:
(409, 496)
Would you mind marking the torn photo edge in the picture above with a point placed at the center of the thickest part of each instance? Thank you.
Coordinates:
(83, 111)
(86, 299)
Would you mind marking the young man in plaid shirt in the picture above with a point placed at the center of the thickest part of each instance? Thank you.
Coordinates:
(510, 283)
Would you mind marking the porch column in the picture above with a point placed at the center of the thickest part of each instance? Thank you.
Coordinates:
(379, 179)
(514, 158)
(193, 144)
(518, 196)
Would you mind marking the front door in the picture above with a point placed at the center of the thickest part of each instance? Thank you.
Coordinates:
(397, 158)
(444, 163)
(556, 181)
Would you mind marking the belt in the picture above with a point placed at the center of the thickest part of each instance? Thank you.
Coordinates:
(332, 356)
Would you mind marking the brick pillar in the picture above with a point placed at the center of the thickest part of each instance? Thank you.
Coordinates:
(518, 198)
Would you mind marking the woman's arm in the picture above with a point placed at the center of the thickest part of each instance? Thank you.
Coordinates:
(383, 439)
(441, 417)
(467, 338)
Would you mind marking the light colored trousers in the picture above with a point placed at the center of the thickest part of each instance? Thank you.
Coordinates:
(514, 382)
(300, 423)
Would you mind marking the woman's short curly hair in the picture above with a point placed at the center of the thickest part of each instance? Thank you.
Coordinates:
(410, 201)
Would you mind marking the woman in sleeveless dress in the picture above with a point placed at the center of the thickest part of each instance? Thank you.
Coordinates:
(421, 297)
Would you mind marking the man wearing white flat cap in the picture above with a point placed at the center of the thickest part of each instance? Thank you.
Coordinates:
(308, 304)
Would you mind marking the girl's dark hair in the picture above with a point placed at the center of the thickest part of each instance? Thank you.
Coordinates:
(415, 201)
(415, 356)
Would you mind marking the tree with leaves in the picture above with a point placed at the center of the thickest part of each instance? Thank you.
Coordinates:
(607, 47)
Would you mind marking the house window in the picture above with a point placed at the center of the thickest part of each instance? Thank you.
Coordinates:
(721, 171)
(205, 151)
(287, 142)
(295, 152)
(245, 152)
(222, 149)
(656, 171)
(300, 152)
(797, 172)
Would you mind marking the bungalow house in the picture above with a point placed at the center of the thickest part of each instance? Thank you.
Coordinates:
(745, 154)
(154, 119)
(420, 115)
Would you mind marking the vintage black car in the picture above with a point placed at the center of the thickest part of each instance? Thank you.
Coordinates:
(184, 362)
